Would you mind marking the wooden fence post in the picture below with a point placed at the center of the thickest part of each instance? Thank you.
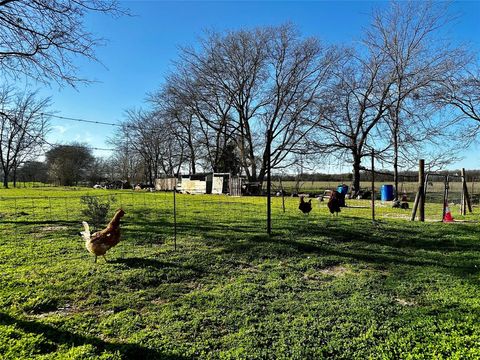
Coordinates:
(466, 195)
(419, 203)
(445, 196)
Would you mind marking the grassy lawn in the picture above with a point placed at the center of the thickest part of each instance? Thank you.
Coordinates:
(320, 287)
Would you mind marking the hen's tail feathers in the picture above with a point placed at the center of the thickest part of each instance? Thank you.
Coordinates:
(86, 232)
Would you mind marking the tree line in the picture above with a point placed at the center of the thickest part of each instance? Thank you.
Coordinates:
(240, 98)
(401, 91)
(40, 41)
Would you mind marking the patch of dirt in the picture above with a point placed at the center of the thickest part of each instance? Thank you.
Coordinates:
(245, 267)
(314, 277)
(404, 302)
(53, 228)
(337, 270)
(405, 216)
(61, 311)
(160, 301)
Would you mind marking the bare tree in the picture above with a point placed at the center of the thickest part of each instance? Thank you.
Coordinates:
(205, 115)
(154, 140)
(358, 102)
(461, 91)
(125, 163)
(408, 34)
(467, 97)
(23, 127)
(251, 82)
(174, 108)
(41, 38)
(140, 135)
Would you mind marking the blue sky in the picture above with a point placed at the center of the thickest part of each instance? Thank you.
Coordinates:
(141, 48)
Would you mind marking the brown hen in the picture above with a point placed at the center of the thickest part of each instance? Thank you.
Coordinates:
(334, 203)
(101, 241)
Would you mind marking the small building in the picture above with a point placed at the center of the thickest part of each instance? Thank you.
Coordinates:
(210, 183)
(204, 183)
(165, 184)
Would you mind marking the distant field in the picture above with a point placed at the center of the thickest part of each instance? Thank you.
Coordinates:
(409, 187)
(434, 191)
(29, 184)
(320, 287)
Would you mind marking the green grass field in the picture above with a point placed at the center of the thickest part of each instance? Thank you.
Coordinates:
(319, 287)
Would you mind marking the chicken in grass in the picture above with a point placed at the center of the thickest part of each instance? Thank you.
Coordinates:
(102, 241)
(334, 203)
(304, 206)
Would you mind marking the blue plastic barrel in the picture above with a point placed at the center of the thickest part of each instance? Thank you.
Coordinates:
(342, 189)
(387, 192)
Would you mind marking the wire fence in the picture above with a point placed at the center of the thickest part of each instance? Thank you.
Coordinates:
(407, 184)
(155, 217)
(149, 215)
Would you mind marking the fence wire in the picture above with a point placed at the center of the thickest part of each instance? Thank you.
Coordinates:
(149, 216)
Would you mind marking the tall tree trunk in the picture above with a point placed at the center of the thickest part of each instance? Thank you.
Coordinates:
(261, 175)
(396, 133)
(14, 168)
(395, 158)
(5, 180)
(191, 147)
(194, 170)
(247, 149)
(266, 157)
(357, 159)
(150, 173)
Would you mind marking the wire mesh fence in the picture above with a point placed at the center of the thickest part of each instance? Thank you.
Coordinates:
(150, 216)
(475, 191)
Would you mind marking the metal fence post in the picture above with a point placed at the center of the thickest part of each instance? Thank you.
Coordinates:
(175, 216)
(269, 184)
(373, 186)
(421, 186)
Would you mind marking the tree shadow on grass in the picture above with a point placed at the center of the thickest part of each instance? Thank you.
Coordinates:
(140, 263)
(147, 231)
(41, 222)
(430, 237)
(232, 228)
(432, 245)
(63, 337)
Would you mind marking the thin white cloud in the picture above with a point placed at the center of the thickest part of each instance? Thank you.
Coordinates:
(59, 129)
(86, 137)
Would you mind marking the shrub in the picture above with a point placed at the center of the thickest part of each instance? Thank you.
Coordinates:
(96, 211)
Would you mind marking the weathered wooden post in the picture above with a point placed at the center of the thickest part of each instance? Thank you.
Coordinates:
(445, 196)
(419, 204)
(466, 195)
